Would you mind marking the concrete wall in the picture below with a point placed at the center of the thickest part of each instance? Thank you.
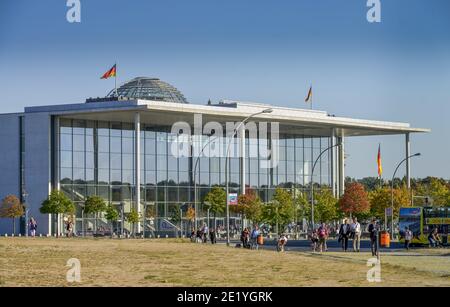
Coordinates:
(37, 166)
(9, 163)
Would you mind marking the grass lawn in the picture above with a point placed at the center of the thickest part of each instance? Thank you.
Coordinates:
(169, 262)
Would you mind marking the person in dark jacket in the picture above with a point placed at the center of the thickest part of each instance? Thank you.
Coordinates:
(344, 232)
(212, 236)
(373, 230)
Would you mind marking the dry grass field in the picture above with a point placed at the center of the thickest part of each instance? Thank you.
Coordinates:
(134, 262)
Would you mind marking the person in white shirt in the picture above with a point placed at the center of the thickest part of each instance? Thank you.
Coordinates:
(356, 234)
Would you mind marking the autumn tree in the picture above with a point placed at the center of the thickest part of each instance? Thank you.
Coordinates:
(436, 188)
(355, 200)
(11, 208)
(380, 199)
(249, 205)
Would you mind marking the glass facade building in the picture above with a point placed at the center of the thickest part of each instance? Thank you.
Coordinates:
(97, 158)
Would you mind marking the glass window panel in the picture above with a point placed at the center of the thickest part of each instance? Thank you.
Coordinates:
(183, 177)
(127, 130)
(150, 162)
(66, 175)
(90, 160)
(116, 129)
(78, 142)
(66, 142)
(161, 148)
(116, 161)
(215, 164)
(253, 166)
(79, 193)
(172, 177)
(215, 178)
(183, 164)
(103, 128)
(172, 163)
(183, 195)
(116, 177)
(78, 159)
(103, 160)
(150, 134)
(116, 194)
(116, 144)
(78, 126)
(66, 159)
(161, 194)
(150, 177)
(126, 193)
(127, 177)
(103, 192)
(161, 176)
(150, 146)
(150, 194)
(161, 163)
(234, 164)
(127, 145)
(103, 176)
(127, 161)
(103, 144)
(204, 178)
(234, 178)
(172, 194)
(89, 143)
(78, 175)
(65, 125)
(90, 176)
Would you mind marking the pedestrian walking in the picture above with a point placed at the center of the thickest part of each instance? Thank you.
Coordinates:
(323, 235)
(212, 236)
(205, 232)
(408, 237)
(356, 234)
(254, 237)
(373, 233)
(344, 232)
(33, 227)
(245, 238)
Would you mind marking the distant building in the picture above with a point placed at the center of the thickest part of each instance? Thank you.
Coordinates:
(91, 149)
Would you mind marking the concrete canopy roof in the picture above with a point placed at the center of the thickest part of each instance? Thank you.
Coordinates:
(302, 121)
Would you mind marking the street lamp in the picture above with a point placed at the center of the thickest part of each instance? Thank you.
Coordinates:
(24, 199)
(312, 183)
(265, 111)
(392, 191)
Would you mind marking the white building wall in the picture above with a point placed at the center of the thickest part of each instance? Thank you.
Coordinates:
(9, 163)
(37, 166)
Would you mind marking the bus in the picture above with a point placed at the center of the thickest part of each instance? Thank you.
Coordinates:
(422, 220)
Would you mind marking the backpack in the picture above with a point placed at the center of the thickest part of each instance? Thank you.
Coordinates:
(322, 232)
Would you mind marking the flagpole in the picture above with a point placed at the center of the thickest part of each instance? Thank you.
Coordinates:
(311, 96)
(115, 80)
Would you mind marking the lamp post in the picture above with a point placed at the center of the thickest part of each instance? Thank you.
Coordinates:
(24, 199)
(265, 111)
(312, 183)
(392, 191)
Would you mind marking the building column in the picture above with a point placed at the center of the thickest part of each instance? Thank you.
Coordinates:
(56, 172)
(243, 169)
(137, 164)
(341, 166)
(408, 153)
(333, 162)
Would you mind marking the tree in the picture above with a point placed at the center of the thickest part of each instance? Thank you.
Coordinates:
(216, 201)
(280, 211)
(11, 208)
(380, 199)
(94, 205)
(249, 205)
(133, 218)
(112, 215)
(57, 203)
(355, 200)
(436, 188)
(326, 206)
(190, 215)
(302, 207)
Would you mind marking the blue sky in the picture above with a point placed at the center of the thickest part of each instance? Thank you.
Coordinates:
(256, 50)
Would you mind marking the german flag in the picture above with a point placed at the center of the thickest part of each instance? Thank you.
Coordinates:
(308, 98)
(110, 73)
(380, 168)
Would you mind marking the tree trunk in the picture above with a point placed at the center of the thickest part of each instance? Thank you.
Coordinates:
(14, 226)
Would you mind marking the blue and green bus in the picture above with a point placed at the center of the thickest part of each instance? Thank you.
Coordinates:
(422, 220)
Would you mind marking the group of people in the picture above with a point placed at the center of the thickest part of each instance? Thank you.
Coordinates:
(249, 238)
(201, 235)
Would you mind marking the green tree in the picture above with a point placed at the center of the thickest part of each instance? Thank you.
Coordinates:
(380, 199)
(216, 201)
(133, 218)
(302, 207)
(11, 208)
(437, 189)
(326, 206)
(57, 203)
(280, 211)
(94, 205)
(112, 215)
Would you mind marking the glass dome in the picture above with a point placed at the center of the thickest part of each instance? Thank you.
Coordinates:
(150, 89)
